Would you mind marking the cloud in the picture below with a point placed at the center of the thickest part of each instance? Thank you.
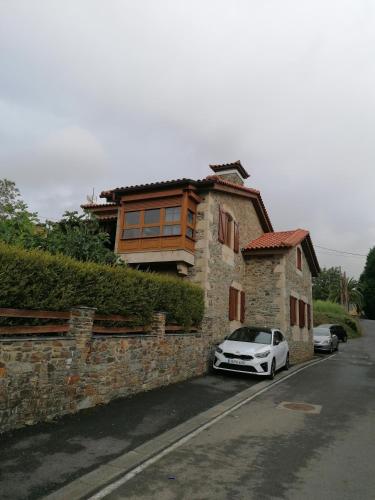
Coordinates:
(99, 95)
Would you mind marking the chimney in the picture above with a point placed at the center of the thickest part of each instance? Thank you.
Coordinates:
(233, 172)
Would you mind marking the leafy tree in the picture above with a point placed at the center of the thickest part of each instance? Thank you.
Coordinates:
(17, 225)
(367, 281)
(78, 236)
(334, 286)
(327, 281)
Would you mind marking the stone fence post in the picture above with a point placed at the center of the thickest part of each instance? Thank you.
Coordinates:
(80, 327)
(158, 323)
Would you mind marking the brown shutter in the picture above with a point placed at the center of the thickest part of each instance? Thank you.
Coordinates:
(301, 314)
(232, 303)
(222, 225)
(236, 237)
(242, 317)
(308, 316)
(293, 311)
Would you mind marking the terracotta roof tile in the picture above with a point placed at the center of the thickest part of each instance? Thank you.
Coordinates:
(280, 239)
(98, 205)
(220, 180)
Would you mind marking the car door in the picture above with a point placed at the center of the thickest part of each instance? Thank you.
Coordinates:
(278, 348)
(283, 348)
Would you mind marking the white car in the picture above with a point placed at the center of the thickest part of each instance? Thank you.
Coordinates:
(259, 351)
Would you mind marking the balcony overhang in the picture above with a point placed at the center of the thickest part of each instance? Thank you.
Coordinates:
(158, 256)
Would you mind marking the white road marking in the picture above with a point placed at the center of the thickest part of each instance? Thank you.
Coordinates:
(134, 472)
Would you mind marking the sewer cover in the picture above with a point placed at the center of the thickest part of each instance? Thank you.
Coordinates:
(300, 407)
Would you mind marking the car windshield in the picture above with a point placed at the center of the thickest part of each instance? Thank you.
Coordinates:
(255, 335)
(321, 332)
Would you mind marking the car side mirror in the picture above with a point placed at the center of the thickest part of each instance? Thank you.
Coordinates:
(276, 342)
(226, 336)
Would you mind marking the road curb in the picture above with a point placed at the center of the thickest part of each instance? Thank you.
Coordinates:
(99, 478)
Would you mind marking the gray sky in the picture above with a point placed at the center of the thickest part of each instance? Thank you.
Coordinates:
(97, 94)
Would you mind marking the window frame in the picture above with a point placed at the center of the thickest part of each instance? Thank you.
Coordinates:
(299, 259)
(161, 223)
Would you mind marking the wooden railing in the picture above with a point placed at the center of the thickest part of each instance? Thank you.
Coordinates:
(34, 329)
(64, 327)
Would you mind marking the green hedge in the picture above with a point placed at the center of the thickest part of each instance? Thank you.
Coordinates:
(326, 312)
(38, 280)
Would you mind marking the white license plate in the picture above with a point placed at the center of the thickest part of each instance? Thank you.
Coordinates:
(236, 361)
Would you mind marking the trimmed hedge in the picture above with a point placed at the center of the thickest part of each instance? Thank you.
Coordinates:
(32, 279)
(326, 312)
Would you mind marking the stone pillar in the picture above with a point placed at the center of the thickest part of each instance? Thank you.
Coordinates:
(80, 327)
(158, 323)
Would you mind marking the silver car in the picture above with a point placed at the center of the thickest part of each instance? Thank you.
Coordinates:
(324, 340)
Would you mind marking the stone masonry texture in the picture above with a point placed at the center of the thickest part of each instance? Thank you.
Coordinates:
(41, 379)
(267, 281)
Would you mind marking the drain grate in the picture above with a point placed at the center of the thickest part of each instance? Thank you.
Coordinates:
(300, 407)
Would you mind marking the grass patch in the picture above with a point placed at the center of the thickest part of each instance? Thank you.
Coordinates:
(331, 312)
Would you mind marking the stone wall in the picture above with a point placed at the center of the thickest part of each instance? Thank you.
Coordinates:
(264, 285)
(44, 378)
(299, 284)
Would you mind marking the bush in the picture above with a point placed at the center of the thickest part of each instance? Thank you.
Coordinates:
(331, 312)
(32, 279)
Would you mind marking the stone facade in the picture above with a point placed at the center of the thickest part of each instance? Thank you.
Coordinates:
(217, 266)
(41, 379)
(298, 284)
(267, 280)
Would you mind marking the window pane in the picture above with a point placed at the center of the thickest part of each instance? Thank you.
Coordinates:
(172, 214)
(151, 231)
(172, 230)
(131, 233)
(189, 232)
(152, 216)
(132, 218)
(190, 217)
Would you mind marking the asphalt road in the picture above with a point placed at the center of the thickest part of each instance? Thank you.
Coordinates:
(263, 452)
(37, 460)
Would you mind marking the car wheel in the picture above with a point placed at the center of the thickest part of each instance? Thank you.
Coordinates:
(271, 376)
(287, 365)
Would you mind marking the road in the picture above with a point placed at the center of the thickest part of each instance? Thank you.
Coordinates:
(261, 451)
(42, 458)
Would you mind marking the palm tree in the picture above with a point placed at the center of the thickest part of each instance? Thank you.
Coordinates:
(347, 292)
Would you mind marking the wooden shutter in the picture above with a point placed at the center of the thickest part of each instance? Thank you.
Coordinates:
(236, 237)
(242, 316)
(308, 316)
(232, 303)
(301, 311)
(293, 311)
(222, 225)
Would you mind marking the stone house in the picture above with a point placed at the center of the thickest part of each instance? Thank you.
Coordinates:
(216, 232)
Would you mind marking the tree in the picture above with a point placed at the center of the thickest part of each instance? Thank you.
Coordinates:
(335, 286)
(367, 281)
(18, 226)
(348, 292)
(326, 282)
(78, 236)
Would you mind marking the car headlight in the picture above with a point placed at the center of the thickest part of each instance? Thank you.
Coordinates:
(326, 341)
(219, 350)
(262, 354)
